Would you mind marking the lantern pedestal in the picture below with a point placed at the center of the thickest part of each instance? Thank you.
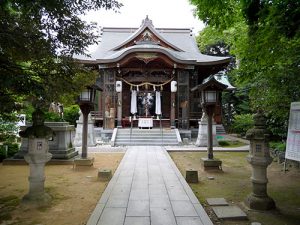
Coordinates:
(84, 162)
(37, 161)
(259, 158)
(208, 164)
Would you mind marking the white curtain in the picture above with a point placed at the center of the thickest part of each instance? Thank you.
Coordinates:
(133, 106)
(157, 103)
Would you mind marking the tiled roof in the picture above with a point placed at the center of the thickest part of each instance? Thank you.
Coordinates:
(182, 45)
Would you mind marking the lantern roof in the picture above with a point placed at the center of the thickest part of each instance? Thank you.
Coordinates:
(210, 82)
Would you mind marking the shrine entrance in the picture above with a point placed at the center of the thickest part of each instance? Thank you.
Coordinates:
(146, 104)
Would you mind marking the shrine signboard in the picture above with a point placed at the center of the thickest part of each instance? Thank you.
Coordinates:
(293, 140)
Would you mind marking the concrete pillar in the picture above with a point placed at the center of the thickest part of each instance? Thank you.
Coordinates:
(259, 158)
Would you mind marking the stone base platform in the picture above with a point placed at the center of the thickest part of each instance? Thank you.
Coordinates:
(211, 163)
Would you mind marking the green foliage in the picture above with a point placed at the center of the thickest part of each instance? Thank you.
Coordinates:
(280, 146)
(52, 117)
(264, 36)
(8, 130)
(242, 123)
(38, 41)
(12, 148)
(223, 143)
(71, 114)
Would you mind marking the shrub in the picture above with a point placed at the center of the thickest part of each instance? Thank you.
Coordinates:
(8, 130)
(224, 143)
(279, 146)
(242, 123)
(71, 114)
(12, 148)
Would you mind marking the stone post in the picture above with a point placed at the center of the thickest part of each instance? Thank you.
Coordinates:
(38, 135)
(259, 158)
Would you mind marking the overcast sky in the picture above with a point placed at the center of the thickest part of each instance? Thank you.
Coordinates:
(163, 13)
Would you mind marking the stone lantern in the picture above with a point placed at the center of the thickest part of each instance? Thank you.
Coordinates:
(210, 90)
(259, 158)
(38, 136)
(86, 102)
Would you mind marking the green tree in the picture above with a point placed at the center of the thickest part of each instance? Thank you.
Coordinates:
(264, 36)
(38, 40)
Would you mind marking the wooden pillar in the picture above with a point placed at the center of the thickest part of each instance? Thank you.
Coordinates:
(172, 116)
(119, 114)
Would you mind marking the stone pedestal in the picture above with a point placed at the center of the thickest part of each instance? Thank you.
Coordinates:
(202, 139)
(91, 141)
(104, 174)
(259, 158)
(37, 157)
(191, 176)
(83, 162)
(211, 164)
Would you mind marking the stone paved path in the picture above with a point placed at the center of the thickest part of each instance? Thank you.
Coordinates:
(148, 189)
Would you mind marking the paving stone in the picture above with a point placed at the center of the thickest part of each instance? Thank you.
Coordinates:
(96, 214)
(117, 201)
(112, 216)
(138, 208)
(162, 216)
(141, 191)
(217, 201)
(189, 221)
(177, 194)
(183, 208)
(160, 202)
(139, 194)
(202, 214)
(137, 221)
(229, 212)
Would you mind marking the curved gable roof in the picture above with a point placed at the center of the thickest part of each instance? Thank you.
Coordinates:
(146, 24)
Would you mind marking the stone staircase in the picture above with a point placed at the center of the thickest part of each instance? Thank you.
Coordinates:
(147, 137)
(220, 129)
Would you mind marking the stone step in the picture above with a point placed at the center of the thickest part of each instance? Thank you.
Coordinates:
(145, 143)
(220, 129)
(146, 137)
(229, 213)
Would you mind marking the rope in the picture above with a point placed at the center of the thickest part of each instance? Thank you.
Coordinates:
(146, 83)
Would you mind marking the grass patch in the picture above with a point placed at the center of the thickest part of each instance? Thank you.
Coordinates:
(233, 184)
(7, 205)
(230, 144)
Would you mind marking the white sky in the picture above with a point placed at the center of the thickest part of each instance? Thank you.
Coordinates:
(163, 13)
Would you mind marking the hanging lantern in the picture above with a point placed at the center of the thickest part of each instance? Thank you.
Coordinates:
(118, 86)
(174, 86)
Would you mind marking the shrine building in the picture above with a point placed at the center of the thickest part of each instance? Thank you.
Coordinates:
(149, 72)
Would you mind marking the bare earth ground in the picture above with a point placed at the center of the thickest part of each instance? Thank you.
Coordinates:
(234, 185)
(74, 192)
